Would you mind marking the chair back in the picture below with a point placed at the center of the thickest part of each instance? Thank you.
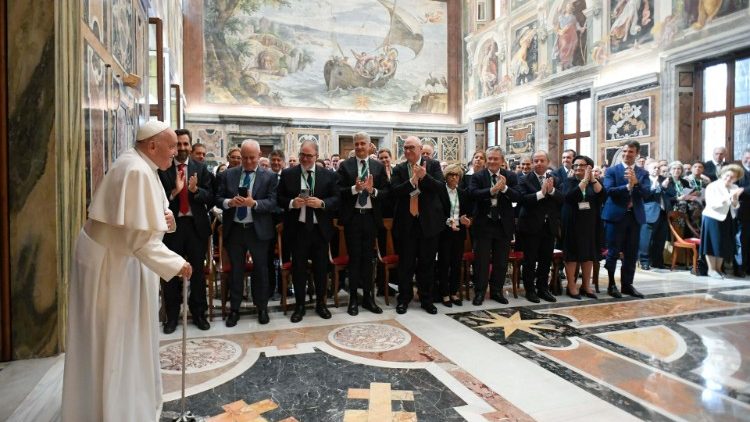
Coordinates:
(342, 242)
(279, 247)
(673, 218)
(467, 242)
(388, 225)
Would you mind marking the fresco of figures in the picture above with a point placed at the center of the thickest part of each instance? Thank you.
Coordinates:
(379, 55)
(524, 62)
(567, 23)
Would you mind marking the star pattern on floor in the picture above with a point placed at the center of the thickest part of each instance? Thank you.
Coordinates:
(513, 324)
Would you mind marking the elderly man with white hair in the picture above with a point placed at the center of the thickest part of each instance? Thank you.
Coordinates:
(112, 360)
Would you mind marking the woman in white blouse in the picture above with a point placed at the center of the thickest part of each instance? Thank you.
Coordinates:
(717, 232)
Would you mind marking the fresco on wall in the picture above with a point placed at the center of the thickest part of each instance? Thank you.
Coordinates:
(524, 62)
(627, 120)
(520, 137)
(96, 16)
(631, 22)
(362, 54)
(122, 33)
(567, 22)
(517, 4)
(95, 107)
(698, 13)
(488, 70)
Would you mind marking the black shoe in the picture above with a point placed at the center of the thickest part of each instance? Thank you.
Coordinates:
(447, 303)
(322, 310)
(546, 295)
(263, 316)
(575, 296)
(299, 312)
(232, 319)
(477, 301)
(401, 308)
(645, 266)
(170, 326)
(631, 291)
(588, 295)
(740, 273)
(370, 305)
(201, 322)
(352, 310)
(498, 297)
(429, 308)
(532, 297)
(612, 291)
(458, 302)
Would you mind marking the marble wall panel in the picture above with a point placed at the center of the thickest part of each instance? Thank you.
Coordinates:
(605, 107)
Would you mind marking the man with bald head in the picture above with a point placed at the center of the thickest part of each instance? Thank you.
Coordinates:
(247, 194)
(428, 151)
(112, 362)
(418, 220)
(713, 167)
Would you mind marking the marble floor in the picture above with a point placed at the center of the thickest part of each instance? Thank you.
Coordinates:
(681, 354)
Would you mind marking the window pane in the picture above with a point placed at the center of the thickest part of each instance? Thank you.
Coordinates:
(715, 88)
(742, 82)
(741, 134)
(585, 115)
(714, 134)
(570, 144)
(569, 125)
(491, 134)
(585, 148)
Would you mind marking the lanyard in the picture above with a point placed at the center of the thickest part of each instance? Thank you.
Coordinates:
(311, 187)
(677, 185)
(366, 170)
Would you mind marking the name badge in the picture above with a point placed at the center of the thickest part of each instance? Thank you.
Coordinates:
(415, 192)
(584, 206)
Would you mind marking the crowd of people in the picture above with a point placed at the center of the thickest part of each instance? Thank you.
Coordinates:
(587, 212)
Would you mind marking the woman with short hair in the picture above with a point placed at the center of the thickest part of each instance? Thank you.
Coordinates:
(456, 202)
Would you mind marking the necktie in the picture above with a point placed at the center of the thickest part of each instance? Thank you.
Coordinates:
(570, 173)
(309, 224)
(494, 211)
(242, 211)
(414, 205)
(362, 199)
(183, 195)
(541, 180)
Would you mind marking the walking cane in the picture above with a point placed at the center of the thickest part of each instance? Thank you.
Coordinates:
(185, 415)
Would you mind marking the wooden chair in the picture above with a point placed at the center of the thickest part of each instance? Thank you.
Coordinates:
(225, 271)
(209, 270)
(557, 259)
(691, 243)
(515, 258)
(339, 262)
(466, 260)
(597, 265)
(389, 260)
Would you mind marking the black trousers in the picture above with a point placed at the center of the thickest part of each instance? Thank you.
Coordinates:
(742, 253)
(416, 256)
(490, 247)
(186, 242)
(537, 258)
(240, 241)
(360, 244)
(622, 236)
(450, 252)
(308, 245)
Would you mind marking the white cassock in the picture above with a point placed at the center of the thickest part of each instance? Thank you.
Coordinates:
(112, 370)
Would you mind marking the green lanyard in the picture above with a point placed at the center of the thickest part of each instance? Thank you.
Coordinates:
(698, 183)
(366, 170)
(677, 185)
(583, 192)
(311, 187)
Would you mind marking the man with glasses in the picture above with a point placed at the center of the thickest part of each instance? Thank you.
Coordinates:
(309, 195)
(247, 196)
(419, 219)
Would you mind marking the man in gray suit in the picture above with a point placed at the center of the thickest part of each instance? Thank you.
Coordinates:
(247, 194)
(654, 232)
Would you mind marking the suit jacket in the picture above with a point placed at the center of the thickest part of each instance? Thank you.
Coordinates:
(325, 188)
(618, 194)
(709, 169)
(348, 174)
(561, 174)
(743, 214)
(431, 214)
(652, 205)
(479, 189)
(533, 212)
(464, 207)
(264, 193)
(200, 201)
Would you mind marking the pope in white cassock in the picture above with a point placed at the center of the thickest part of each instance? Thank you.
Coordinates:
(112, 355)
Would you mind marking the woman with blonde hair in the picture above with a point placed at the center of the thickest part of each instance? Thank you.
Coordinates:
(717, 231)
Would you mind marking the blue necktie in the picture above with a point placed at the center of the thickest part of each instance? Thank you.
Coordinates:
(362, 199)
(242, 211)
(494, 211)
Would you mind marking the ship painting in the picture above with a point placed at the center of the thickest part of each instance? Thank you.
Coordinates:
(374, 70)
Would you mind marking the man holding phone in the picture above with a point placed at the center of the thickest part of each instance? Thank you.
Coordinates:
(247, 194)
(309, 195)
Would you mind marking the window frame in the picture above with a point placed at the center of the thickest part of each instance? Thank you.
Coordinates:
(578, 134)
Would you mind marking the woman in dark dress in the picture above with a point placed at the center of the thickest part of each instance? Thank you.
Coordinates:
(583, 198)
(451, 248)
(717, 230)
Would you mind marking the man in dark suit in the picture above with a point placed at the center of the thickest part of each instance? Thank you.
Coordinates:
(247, 194)
(494, 191)
(277, 161)
(654, 232)
(538, 225)
(742, 256)
(627, 187)
(713, 167)
(363, 185)
(309, 195)
(418, 220)
(566, 167)
(187, 183)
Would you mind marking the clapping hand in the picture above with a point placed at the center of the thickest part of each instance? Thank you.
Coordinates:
(179, 183)
(632, 179)
(665, 183)
(500, 185)
(193, 183)
(589, 175)
(419, 171)
(367, 184)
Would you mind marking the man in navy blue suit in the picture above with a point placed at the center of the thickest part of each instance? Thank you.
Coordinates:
(627, 186)
(654, 232)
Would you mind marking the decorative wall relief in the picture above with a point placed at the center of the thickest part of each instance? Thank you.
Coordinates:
(567, 22)
(96, 16)
(631, 22)
(141, 59)
(698, 13)
(627, 120)
(524, 62)
(123, 48)
(520, 137)
(96, 113)
(449, 148)
(366, 55)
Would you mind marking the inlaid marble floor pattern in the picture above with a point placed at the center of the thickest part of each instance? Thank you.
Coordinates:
(681, 354)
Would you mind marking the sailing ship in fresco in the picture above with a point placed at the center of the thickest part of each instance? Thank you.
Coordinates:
(374, 70)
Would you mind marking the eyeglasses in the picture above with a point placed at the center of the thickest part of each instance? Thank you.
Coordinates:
(409, 147)
(576, 166)
(303, 155)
